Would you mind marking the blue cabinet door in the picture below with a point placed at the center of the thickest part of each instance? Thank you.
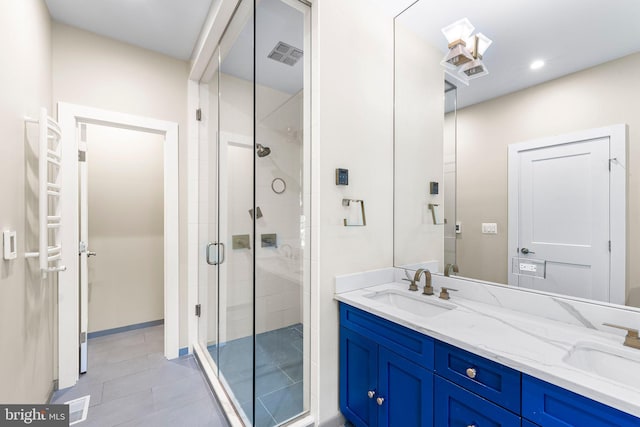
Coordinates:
(526, 423)
(358, 377)
(551, 406)
(407, 390)
(457, 407)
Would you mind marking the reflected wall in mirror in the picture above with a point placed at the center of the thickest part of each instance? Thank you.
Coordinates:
(460, 136)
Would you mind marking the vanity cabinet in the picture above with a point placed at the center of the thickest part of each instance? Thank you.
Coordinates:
(455, 406)
(552, 406)
(491, 380)
(473, 391)
(380, 385)
(392, 375)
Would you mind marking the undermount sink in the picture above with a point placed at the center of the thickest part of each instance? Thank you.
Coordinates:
(621, 365)
(420, 305)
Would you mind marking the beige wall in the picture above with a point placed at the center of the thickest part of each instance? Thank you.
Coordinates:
(600, 96)
(352, 128)
(98, 72)
(27, 304)
(126, 201)
(419, 108)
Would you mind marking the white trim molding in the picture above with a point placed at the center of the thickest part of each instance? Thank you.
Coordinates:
(69, 117)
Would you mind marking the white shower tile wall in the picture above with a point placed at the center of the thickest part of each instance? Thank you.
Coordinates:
(279, 270)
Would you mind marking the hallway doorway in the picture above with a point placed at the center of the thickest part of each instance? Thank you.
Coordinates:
(73, 307)
(121, 230)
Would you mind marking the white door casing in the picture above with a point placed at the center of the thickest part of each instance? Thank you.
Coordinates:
(565, 205)
(83, 195)
(70, 116)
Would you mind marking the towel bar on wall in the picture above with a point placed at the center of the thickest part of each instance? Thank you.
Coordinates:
(49, 252)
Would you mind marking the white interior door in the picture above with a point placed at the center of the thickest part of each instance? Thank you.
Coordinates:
(562, 243)
(83, 245)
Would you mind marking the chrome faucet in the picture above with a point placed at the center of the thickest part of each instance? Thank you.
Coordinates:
(428, 289)
(450, 268)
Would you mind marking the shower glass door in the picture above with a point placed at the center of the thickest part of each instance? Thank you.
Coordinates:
(226, 168)
(281, 159)
(254, 186)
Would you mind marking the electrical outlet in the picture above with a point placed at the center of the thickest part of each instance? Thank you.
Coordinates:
(489, 228)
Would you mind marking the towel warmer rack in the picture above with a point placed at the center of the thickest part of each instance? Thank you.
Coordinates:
(49, 191)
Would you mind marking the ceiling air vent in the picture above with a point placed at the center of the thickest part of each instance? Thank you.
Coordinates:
(286, 54)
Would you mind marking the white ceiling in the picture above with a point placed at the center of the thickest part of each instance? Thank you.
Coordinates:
(170, 27)
(569, 35)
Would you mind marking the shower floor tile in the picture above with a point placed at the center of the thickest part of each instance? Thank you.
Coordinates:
(279, 371)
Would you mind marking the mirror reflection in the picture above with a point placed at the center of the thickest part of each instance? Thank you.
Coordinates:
(530, 158)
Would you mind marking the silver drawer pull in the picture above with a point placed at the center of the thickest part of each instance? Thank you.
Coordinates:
(371, 394)
(380, 401)
(472, 425)
(471, 373)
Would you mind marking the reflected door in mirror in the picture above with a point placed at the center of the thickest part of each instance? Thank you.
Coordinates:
(561, 239)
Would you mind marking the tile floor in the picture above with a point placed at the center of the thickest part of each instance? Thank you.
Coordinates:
(278, 373)
(132, 384)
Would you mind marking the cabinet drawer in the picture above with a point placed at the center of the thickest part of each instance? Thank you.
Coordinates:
(552, 406)
(490, 380)
(457, 407)
(403, 341)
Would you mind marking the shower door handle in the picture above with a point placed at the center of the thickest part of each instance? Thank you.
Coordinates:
(218, 258)
(221, 259)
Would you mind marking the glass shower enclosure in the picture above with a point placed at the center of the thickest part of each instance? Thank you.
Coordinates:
(254, 188)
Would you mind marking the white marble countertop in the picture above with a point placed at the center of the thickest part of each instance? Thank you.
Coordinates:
(531, 344)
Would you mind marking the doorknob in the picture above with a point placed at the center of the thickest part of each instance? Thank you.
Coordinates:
(90, 254)
(526, 251)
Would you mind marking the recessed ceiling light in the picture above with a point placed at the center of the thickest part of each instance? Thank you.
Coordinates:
(536, 65)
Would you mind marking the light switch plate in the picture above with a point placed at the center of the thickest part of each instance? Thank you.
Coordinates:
(489, 228)
(9, 243)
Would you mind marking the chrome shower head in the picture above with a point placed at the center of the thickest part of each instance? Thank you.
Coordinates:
(262, 151)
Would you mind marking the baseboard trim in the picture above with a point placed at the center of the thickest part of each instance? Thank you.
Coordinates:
(335, 421)
(97, 334)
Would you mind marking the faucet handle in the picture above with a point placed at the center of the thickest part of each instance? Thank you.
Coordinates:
(630, 331)
(444, 292)
(631, 339)
(412, 286)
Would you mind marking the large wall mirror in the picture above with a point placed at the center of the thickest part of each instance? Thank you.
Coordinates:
(525, 176)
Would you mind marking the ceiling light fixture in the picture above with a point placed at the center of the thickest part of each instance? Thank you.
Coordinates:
(537, 64)
(465, 51)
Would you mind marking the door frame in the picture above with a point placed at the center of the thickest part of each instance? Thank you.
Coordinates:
(69, 117)
(617, 135)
